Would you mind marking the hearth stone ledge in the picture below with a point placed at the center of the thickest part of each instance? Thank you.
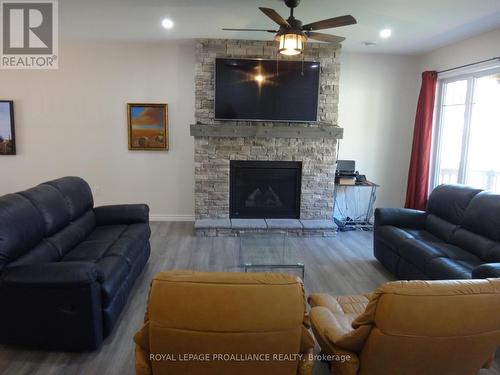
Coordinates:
(293, 227)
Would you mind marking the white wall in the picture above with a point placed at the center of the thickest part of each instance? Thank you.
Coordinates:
(73, 121)
(378, 100)
(480, 47)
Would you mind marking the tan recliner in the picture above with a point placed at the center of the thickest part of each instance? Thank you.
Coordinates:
(225, 324)
(411, 328)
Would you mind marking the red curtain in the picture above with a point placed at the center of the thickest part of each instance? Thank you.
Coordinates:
(418, 175)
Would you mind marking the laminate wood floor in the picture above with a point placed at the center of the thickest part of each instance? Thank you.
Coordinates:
(340, 265)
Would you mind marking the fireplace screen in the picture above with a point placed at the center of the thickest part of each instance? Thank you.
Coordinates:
(265, 189)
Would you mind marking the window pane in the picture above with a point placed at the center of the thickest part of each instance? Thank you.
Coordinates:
(455, 92)
(452, 128)
(483, 167)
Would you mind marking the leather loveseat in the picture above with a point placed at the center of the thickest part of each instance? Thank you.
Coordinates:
(66, 268)
(457, 237)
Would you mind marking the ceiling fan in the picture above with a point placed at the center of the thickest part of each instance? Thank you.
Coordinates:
(292, 33)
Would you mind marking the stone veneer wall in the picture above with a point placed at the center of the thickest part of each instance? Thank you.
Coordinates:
(212, 154)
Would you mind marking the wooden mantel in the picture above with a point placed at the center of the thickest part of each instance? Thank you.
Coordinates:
(234, 130)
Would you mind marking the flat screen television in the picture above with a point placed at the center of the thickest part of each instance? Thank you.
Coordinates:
(264, 90)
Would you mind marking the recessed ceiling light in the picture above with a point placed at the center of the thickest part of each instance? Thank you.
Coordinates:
(167, 23)
(385, 33)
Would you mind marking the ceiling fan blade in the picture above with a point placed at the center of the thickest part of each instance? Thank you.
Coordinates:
(330, 23)
(333, 39)
(269, 31)
(272, 14)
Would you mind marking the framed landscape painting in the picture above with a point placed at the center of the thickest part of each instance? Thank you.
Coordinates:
(7, 134)
(147, 126)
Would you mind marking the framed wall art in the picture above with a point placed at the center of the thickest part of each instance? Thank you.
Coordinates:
(148, 127)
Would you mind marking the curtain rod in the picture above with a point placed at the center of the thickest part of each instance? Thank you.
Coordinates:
(466, 65)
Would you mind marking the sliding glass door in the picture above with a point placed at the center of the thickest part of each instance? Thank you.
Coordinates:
(467, 131)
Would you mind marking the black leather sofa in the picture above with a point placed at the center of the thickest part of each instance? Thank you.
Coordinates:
(457, 237)
(66, 268)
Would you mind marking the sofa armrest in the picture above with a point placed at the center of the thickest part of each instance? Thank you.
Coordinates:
(400, 217)
(330, 331)
(122, 214)
(338, 328)
(487, 270)
(51, 306)
(333, 328)
(57, 274)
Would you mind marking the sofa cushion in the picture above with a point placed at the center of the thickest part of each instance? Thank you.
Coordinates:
(483, 216)
(140, 231)
(67, 238)
(450, 201)
(393, 236)
(114, 249)
(439, 227)
(106, 232)
(422, 234)
(90, 251)
(21, 227)
(420, 252)
(110, 240)
(44, 252)
(448, 269)
(77, 195)
(112, 232)
(482, 247)
(51, 204)
(355, 304)
(126, 248)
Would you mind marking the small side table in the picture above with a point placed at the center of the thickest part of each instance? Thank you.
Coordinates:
(269, 251)
(364, 222)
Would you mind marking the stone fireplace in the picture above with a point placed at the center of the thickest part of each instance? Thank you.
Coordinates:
(220, 143)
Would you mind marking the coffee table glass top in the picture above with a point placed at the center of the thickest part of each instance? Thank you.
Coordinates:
(268, 251)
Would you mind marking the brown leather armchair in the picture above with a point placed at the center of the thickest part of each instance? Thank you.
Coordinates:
(225, 323)
(447, 327)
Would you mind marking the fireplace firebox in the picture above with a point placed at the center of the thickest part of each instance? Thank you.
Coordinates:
(265, 189)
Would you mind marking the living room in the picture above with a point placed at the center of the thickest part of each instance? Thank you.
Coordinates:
(142, 175)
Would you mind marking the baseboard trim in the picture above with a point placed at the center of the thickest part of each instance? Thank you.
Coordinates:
(159, 217)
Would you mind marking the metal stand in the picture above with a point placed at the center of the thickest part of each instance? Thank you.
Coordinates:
(364, 223)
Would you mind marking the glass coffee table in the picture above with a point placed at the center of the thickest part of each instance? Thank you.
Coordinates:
(269, 251)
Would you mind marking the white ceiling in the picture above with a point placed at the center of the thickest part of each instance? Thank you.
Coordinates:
(418, 25)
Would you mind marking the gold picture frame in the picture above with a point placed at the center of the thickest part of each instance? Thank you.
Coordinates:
(148, 127)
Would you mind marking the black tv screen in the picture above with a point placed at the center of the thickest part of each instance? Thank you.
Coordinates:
(263, 90)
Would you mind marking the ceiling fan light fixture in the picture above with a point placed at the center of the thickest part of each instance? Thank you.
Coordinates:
(167, 23)
(385, 33)
(292, 33)
(291, 44)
